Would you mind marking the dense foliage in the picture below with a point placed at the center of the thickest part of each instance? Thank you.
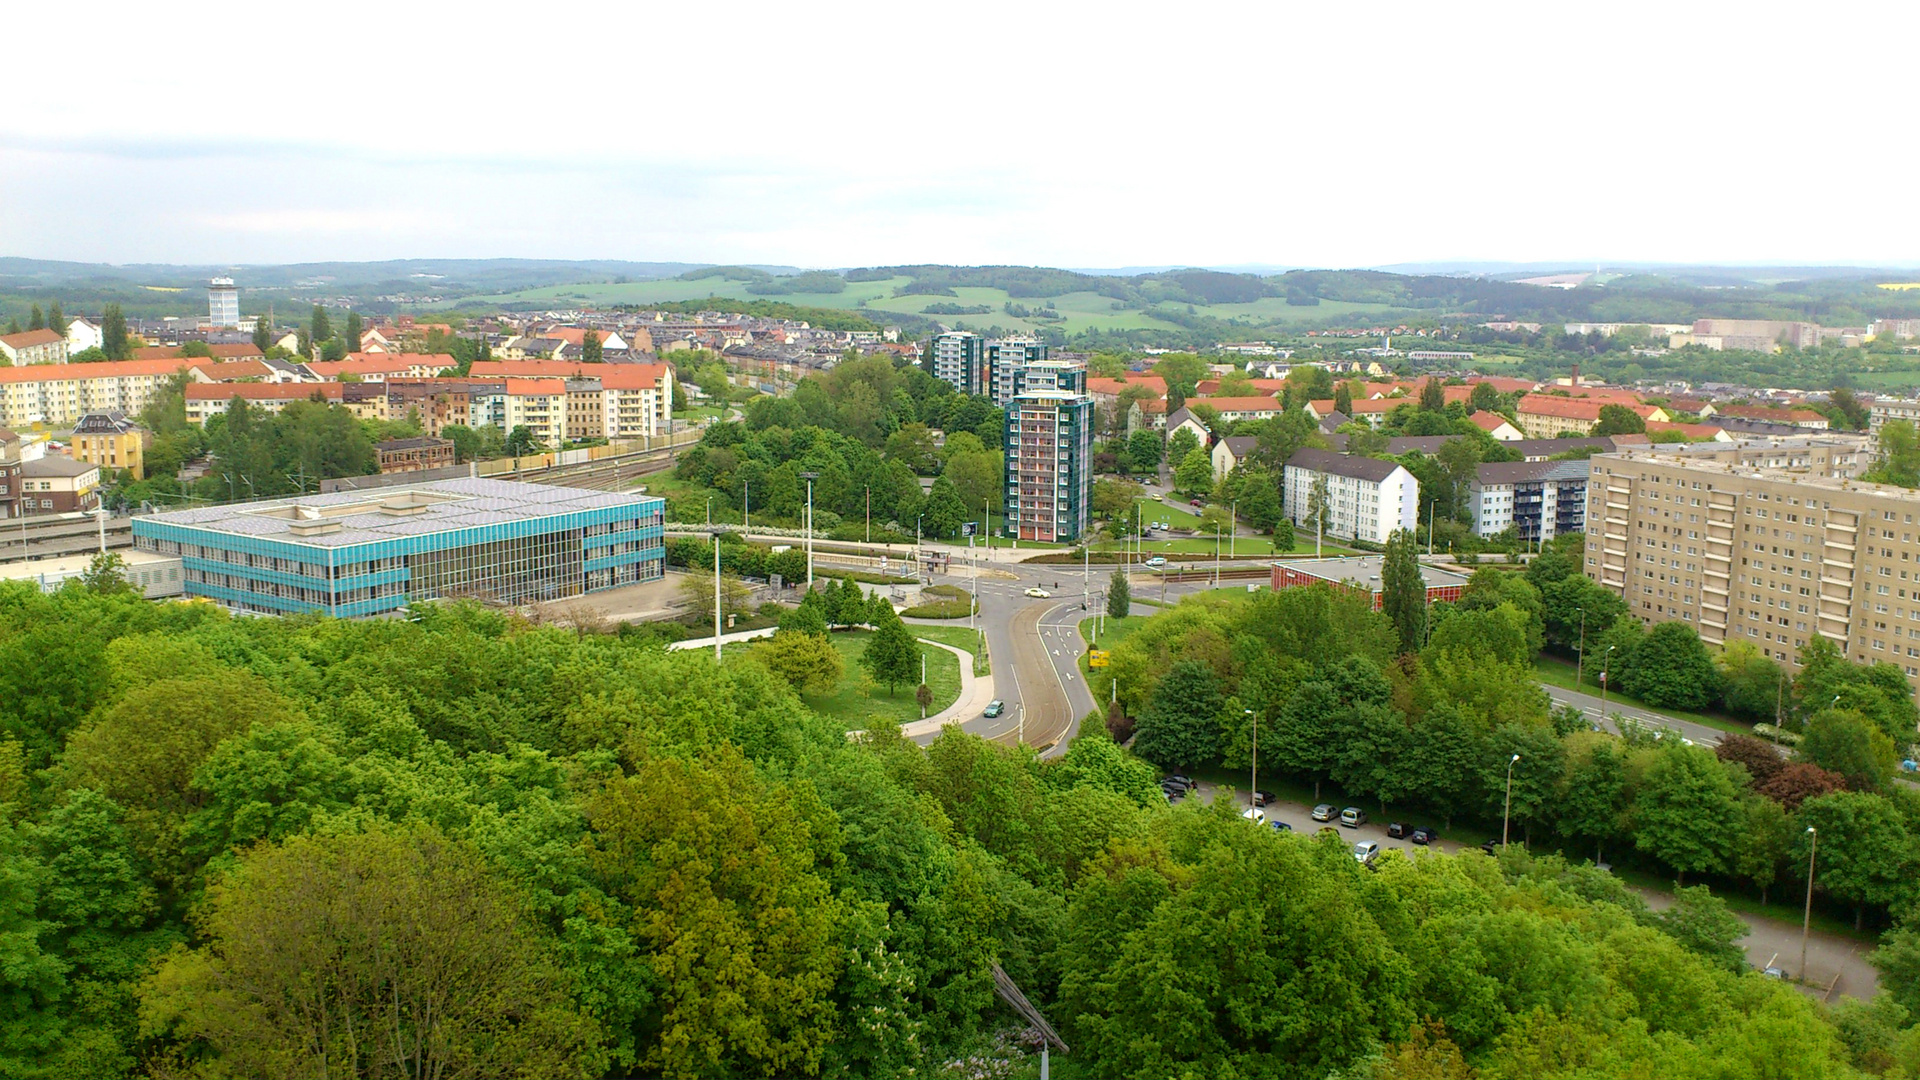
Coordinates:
(467, 846)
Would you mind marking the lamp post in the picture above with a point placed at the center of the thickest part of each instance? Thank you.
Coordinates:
(869, 514)
(1253, 779)
(1580, 656)
(810, 477)
(1806, 917)
(1507, 812)
(1604, 658)
(1233, 526)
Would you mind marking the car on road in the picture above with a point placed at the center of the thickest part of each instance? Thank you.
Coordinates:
(1353, 817)
(1039, 592)
(1425, 834)
(1255, 815)
(1280, 826)
(994, 708)
(1324, 812)
(1156, 561)
(1366, 851)
(1157, 497)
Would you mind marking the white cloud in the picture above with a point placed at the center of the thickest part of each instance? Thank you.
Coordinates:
(995, 132)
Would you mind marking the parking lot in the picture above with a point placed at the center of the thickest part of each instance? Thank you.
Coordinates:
(1300, 817)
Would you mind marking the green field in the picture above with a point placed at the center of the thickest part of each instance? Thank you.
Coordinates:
(1276, 309)
(960, 638)
(855, 704)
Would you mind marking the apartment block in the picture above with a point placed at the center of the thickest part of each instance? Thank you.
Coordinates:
(213, 399)
(1774, 556)
(57, 395)
(1049, 477)
(34, 347)
(111, 441)
(1363, 498)
(959, 359)
(1009, 361)
(1538, 500)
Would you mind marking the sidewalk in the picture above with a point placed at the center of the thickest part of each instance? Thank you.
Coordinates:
(725, 639)
(975, 692)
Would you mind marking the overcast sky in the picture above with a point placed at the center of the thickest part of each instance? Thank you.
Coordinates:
(1086, 135)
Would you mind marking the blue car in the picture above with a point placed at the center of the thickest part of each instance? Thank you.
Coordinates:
(994, 708)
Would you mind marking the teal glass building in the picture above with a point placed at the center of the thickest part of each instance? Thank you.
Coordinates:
(360, 553)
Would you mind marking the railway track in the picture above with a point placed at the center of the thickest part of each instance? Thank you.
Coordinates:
(31, 538)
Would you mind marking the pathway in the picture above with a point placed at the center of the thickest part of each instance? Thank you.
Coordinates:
(975, 692)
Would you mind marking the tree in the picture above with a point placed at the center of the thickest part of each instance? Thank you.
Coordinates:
(1484, 398)
(591, 351)
(354, 331)
(1700, 921)
(1799, 781)
(114, 340)
(1433, 396)
(1594, 805)
(262, 335)
(1562, 604)
(393, 950)
(1119, 594)
(1672, 669)
(106, 575)
(1181, 724)
(1751, 685)
(1619, 420)
(1403, 590)
(808, 662)
(1443, 760)
(1898, 961)
(1899, 458)
(319, 327)
(1686, 814)
(696, 591)
(1866, 851)
(1760, 848)
(37, 319)
(944, 511)
(1195, 474)
(1844, 742)
(1847, 404)
(1343, 399)
(892, 656)
(1182, 443)
(1759, 757)
(57, 319)
(521, 443)
(1144, 448)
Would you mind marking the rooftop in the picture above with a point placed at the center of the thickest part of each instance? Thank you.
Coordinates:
(347, 518)
(1365, 570)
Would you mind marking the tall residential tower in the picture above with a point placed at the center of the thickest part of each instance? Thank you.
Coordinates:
(1049, 480)
(223, 304)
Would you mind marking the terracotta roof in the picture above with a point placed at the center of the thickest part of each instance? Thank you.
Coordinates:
(526, 387)
(104, 369)
(29, 338)
(262, 391)
(224, 371)
(1488, 421)
(1364, 405)
(369, 363)
(1239, 404)
(1763, 412)
(1103, 385)
(1586, 409)
(612, 376)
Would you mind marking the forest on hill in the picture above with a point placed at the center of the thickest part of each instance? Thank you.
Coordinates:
(471, 846)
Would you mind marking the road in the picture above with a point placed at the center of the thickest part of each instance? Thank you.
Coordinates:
(1590, 705)
(1833, 961)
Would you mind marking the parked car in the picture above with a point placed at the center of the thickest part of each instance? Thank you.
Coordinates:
(1039, 592)
(1398, 830)
(1181, 778)
(1491, 847)
(994, 708)
(1263, 798)
(1353, 817)
(1255, 815)
(1157, 497)
(1324, 812)
(1197, 503)
(1425, 834)
(1366, 851)
(1280, 826)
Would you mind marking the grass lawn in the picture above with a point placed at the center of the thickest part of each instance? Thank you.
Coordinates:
(1556, 672)
(853, 708)
(960, 638)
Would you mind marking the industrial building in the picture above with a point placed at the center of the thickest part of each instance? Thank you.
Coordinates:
(359, 553)
(1362, 572)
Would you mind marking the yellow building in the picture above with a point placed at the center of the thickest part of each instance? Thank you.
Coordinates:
(111, 441)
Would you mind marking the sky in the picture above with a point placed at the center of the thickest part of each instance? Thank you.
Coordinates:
(1082, 135)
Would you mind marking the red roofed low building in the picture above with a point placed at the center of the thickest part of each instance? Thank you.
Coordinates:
(1800, 418)
(1497, 426)
(1692, 432)
(1369, 411)
(1544, 416)
(213, 399)
(377, 367)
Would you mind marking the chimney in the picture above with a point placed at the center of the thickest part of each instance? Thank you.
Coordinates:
(1576, 375)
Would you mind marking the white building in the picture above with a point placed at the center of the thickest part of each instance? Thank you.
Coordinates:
(83, 335)
(1539, 500)
(223, 304)
(1229, 452)
(1365, 498)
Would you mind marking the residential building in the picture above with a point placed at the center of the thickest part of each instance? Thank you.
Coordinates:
(1229, 452)
(1545, 416)
(1885, 409)
(1362, 573)
(59, 485)
(1232, 410)
(374, 367)
(1800, 418)
(586, 409)
(57, 395)
(1007, 362)
(10, 464)
(1049, 471)
(112, 441)
(34, 347)
(1362, 498)
(83, 334)
(958, 358)
(1497, 426)
(637, 398)
(223, 304)
(1772, 556)
(1183, 418)
(414, 455)
(539, 405)
(361, 553)
(213, 399)
(1538, 500)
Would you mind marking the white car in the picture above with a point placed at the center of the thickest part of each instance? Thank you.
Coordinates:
(1255, 815)
(1156, 561)
(1039, 592)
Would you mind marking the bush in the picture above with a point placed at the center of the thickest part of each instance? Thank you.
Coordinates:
(940, 609)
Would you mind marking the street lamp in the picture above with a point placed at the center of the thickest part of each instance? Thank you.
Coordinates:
(1580, 655)
(810, 477)
(1253, 779)
(1806, 918)
(1604, 657)
(1507, 812)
